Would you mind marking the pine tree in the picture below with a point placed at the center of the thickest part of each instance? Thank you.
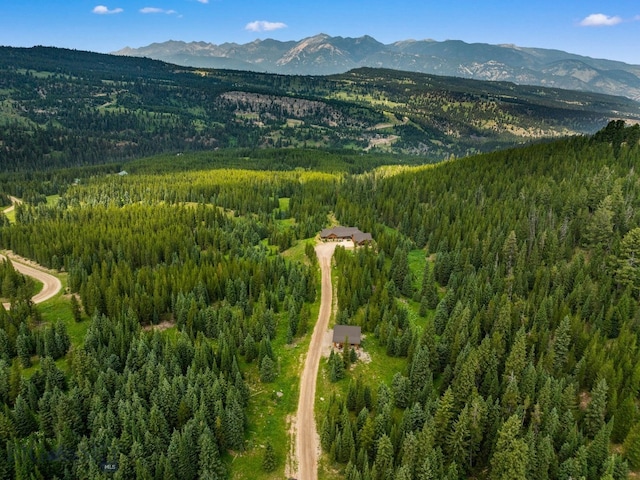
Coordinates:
(383, 464)
(419, 371)
(561, 345)
(346, 353)
(600, 228)
(598, 451)
(429, 290)
(628, 272)
(76, 310)
(509, 460)
(399, 268)
(63, 342)
(269, 458)
(595, 414)
(268, 371)
(401, 390)
(632, 447)
(50, 345)
(444, 413)
(424, 306)
(458, 441)
(23, 349)
(211, 466)
(336, 367)
(234, 425)
(25, 422)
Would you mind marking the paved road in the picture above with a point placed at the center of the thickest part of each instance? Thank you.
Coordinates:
(307, 442)
(51, 285)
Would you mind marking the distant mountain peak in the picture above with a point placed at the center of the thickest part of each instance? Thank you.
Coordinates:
(323, 54)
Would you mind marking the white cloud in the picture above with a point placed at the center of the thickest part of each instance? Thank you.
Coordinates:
(102, 10)
(203, 1)
(263, 26)
(157, 10)
(600, 20)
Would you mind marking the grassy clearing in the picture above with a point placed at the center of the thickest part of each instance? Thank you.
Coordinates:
(284, 204)
(297, 254)
(52, 199)
(417, 260)
(58, 309)
(11, 216)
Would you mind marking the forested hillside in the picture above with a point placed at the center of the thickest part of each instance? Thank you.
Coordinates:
(62, 108)
(186, 251)
(529, 365)
(499, 306)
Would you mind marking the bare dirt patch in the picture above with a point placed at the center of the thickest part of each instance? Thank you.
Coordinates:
(327, 343)
(291, 466)
(585, 399)
(160, 327)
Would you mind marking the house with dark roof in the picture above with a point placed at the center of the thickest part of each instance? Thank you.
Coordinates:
(339, 234)
(347, 332)
(361, 238)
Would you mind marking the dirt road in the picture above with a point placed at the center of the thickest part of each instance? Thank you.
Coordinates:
(307, 441)
(50, 284)
(14, 201)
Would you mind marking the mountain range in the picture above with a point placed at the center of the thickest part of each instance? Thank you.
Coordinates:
(324, 55)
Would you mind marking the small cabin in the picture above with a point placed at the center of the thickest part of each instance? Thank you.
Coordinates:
(349, 332)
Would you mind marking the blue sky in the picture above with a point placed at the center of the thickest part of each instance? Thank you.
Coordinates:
(601, 29)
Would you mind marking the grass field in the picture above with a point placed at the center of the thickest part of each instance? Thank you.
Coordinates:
(417, 261)
(58, 309)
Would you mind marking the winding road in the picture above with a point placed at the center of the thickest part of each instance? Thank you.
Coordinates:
(307, 441)
(50, 284)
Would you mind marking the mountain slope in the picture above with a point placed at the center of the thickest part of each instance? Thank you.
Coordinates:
(322, 55)
(63, 107)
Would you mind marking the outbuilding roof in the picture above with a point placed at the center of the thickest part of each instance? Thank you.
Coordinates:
(361, 237)
(340, 332)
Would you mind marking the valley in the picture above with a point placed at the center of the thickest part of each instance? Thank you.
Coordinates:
(71, 108)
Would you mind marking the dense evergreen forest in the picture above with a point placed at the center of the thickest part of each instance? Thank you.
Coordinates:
(65, 108)
(529, 366)
(517, 340)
